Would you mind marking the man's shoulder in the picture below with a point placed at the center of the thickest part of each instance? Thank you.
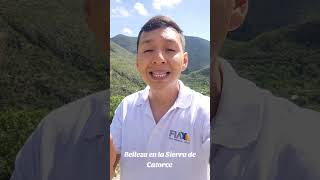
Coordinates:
(58, 137)
(134, 98)
(70, 119)
(95, 98)
(271, 105)
(200, 99)
(289, 114)
(199, 103)
(286, 108)
(288, 124)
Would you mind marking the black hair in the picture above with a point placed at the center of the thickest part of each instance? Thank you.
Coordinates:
(157, 22)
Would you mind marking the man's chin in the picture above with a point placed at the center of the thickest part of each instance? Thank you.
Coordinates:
(161, 85)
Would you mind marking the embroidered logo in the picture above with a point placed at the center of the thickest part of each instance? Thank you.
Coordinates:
(179, 136)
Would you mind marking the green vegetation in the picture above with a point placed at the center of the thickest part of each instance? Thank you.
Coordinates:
(124, 78)
(285, 61)
(48, 58)
(46, 69)
(126, 42)
(15, 127)
(198, 80)
(269, 15)
(199, 53)
(114, 102)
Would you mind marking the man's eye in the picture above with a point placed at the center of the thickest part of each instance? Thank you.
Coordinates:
(171, 50)
(148, 50)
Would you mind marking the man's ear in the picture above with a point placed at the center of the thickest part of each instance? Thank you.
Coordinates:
(238, 14)
(185, 61)
(137, 65)
(96, 18)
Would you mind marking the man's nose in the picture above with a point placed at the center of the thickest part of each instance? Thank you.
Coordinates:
(159, 58)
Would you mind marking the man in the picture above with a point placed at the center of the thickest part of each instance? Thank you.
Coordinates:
(166, 117)
(71, 141)
(255, 135)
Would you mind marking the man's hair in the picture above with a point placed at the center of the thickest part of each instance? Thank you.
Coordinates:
(161, 22)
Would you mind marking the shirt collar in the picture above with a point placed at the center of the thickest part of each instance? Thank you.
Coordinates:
(238, 119)
(183, 100)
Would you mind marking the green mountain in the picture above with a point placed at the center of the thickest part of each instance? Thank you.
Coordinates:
(126, 42)
(285, 61)
(268, 15)
(198, 50)
(199, 53)
(124, 78)
(198, 80)
(48, 58)
(47, 61)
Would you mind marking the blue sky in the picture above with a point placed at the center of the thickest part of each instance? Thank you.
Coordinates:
(128, 16)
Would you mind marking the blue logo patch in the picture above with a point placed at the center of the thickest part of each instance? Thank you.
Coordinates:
(179, 136)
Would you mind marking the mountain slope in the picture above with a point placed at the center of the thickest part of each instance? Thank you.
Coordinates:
(199, 53)
(124, 78)
(37, 72)
(126, 42)
(268, 15)
(285, 61)
(198, 80)
(48, 58)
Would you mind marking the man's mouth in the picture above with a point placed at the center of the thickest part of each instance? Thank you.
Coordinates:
(159, 75)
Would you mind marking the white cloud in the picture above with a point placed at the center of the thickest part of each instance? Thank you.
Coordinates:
(140, 8)
(127, 30)
(119, 11)
(118, 1)
(158, 4)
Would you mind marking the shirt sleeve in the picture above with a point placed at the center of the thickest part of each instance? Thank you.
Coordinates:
(116, 128)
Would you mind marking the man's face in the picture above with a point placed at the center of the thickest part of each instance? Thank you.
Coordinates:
(161, 58)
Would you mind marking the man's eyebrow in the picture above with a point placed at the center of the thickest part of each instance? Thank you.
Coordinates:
(170, 40)
(146, 41)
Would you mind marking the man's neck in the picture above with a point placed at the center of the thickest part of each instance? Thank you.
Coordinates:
(161, 100)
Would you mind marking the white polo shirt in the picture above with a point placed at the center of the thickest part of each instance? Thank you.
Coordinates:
(178, 147)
